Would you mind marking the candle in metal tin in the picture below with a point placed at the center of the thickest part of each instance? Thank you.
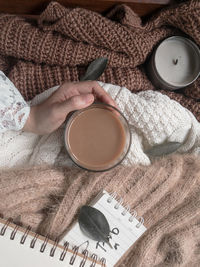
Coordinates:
(175, 63)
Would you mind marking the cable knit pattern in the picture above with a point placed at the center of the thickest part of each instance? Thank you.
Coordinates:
(166, 194)
(154, 118)
(64, 41)
(14, 111)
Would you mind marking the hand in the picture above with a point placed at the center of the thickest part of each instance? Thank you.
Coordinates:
(50, 114)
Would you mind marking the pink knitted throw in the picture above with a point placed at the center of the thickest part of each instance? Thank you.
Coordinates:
(166, 194)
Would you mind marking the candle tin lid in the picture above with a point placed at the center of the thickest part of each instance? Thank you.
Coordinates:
(175, 63)
(97, 138)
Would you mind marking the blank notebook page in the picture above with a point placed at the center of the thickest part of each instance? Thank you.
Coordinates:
(125, 230)
(14, 254)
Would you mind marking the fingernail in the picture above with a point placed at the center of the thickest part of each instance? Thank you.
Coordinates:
(89, 98)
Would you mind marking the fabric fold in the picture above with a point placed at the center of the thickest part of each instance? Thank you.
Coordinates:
(62, 42)
(166, 194)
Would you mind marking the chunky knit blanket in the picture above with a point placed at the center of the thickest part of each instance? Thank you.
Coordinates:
(37, 55)
(166, 194)
(153, 118)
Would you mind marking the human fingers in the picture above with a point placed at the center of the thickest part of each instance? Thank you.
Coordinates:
(75, 103)
(94, 88)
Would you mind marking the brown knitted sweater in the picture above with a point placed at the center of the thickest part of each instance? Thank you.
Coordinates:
(40, 55)
(166, 194)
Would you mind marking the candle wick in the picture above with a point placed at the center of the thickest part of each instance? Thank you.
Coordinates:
(175, 61)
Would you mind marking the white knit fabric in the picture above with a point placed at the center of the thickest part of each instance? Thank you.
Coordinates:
(153, 119)
(14, 110)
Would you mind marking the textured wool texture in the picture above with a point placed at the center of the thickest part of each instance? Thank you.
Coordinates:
(39, 55)
(166, 194)
(153, 119)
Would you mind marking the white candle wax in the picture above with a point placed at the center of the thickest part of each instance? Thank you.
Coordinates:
(177, 61)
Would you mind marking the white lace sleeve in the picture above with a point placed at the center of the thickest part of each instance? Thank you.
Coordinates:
(14, 110)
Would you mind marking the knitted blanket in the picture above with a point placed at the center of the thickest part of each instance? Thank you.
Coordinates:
(164, 120)
(166, 194)
(39, 55)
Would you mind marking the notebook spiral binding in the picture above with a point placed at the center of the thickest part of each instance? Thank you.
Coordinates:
(75, 249)
(126, 209)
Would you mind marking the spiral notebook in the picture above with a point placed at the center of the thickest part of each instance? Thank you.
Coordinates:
(19, 247)
(125, 229)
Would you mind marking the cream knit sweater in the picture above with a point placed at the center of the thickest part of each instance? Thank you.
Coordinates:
(154, 118)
